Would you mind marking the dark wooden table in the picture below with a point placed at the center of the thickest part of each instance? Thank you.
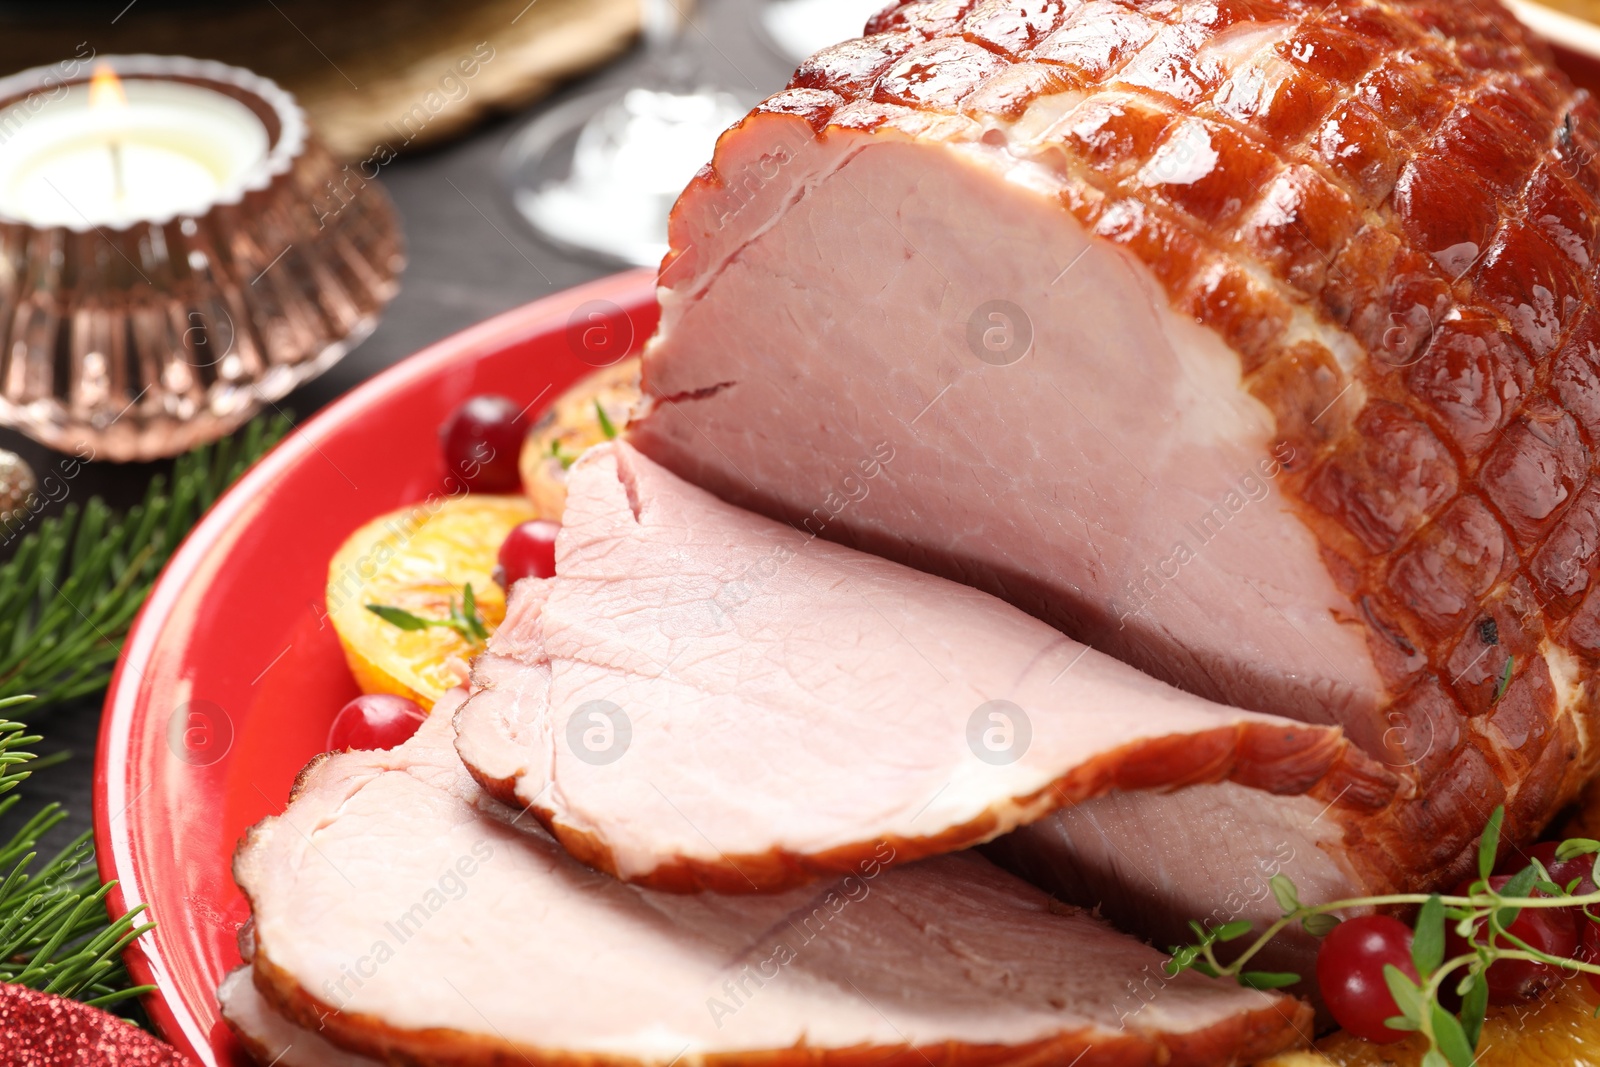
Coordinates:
(470, 257)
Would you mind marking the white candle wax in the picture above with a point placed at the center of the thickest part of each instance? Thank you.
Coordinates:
(170, 148)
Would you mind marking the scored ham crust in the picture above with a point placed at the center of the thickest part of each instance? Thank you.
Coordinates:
(373, 931)
(1302, 410)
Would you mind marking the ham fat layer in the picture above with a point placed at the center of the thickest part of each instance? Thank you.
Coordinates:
(1251, 343)
(403, 914)
(794, 707)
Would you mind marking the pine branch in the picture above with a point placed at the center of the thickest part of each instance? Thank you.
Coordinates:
(54, 932)
(73, 586)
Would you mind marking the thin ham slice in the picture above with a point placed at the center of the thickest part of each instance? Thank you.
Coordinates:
(403, 914)
(1252, 343)
(794, 706)
(268, 1037)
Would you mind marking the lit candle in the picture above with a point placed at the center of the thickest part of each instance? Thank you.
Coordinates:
(113, 152)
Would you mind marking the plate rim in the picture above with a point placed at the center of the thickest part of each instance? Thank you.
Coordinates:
(1557, 27)
(123, 710)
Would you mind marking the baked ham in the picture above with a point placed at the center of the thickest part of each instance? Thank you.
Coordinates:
(790, 707)
(1250, 342)
(268, 1037)
(402, 914)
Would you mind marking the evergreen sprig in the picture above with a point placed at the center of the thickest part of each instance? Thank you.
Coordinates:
(70, 591)
(54, 932)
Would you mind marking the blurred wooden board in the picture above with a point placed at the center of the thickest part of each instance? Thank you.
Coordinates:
(370, 74)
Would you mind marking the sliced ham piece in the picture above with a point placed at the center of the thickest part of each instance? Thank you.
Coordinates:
(1250, 343)
(268, 1037)
(405, 915)
(794, 707)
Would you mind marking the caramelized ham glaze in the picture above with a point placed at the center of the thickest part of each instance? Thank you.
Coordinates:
(1250, 341)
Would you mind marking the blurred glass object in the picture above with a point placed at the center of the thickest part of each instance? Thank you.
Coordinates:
(598, 175)
(800, 28)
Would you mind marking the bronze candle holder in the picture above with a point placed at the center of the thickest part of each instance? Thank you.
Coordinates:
(140, 339)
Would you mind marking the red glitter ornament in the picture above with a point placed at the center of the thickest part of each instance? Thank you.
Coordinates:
(43, 1030)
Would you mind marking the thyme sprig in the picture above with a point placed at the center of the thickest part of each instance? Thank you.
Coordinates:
(561, 455)
(607, 427)
(464, 620)
(1483, 913)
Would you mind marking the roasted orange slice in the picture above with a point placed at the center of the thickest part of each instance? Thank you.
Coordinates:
(1557, 1029)
(419, 560)
(595, 409)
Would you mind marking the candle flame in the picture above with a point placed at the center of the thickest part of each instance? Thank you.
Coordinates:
(105, 88)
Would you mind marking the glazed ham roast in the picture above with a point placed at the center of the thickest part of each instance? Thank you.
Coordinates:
(1244, 347)
(402, 914)
(1249, 342)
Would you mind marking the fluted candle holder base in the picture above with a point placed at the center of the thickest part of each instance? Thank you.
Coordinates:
(142, 340)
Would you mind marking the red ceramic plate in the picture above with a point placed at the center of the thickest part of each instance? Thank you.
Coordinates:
(231, 675)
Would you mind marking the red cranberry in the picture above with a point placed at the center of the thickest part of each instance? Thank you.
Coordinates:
(529, 551)
(1350, 973)
(1589, 949)
(481, 442)
(374, 720)
(1550, 930)
(1562, 872)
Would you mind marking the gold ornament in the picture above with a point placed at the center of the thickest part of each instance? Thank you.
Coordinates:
(17, 488)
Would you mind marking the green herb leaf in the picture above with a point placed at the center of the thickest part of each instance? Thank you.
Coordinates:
(1320, 924)
(1407, 997)
(1284, 891)
(561, 455)
(1268, 979)
(1520, 885)
(1434, 1058)
(1489, 843)
(1233, 931)
(1400, 1022)
(1573, 847)
(1474, 1005)
(1505, 680)
(605, 420)
(1427, 947)
(470, 616)
(1450, 1038)
(401, 617)
(464, 620)
(1205, 968)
